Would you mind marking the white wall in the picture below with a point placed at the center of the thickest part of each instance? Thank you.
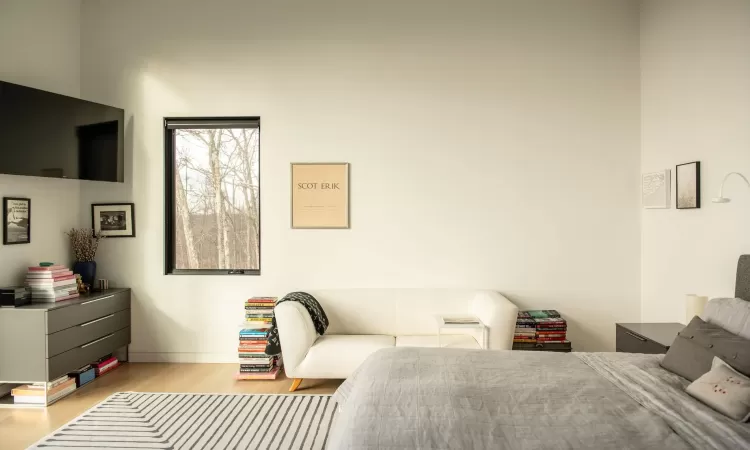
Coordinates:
(492, 146)
(40, 48)
(695, 67)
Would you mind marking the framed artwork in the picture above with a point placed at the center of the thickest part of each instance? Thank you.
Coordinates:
(113, 219)
(688, 185)
(320, 195)
(655, 187)
(16, 220)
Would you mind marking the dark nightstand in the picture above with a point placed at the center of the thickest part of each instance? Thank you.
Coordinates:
(646, 337)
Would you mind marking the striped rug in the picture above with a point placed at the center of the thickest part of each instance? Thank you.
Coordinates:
(135, 420)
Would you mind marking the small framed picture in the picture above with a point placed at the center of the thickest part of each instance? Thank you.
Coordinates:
(655, 189)
(688, 185)
(16, 220)
(113, 219)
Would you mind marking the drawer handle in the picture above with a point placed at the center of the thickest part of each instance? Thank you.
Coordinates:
(636, 336)
(98, 340)
(97, 300)
(97, 320)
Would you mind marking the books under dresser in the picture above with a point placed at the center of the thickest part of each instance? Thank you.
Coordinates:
(43, 341)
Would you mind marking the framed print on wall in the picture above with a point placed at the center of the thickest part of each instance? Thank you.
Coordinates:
(320, 195)
(16, 220)
(113, 219)
(688, 185)
(655, 187)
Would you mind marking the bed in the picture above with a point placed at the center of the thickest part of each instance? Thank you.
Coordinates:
(426, 398)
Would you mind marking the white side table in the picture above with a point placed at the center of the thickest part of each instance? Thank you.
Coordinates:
(440, 319)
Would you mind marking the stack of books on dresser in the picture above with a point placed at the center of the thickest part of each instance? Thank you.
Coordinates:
(51, 283)
(43, 393)
(255, 364)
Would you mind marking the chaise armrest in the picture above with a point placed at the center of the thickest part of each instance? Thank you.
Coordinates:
(499, 315)
(296, 333)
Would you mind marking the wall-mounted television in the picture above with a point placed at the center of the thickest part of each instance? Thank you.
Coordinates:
(51, 135)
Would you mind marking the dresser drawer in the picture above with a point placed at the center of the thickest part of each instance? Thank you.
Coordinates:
(64, 340)
(70, 316)
(630, 342)
(84, 354)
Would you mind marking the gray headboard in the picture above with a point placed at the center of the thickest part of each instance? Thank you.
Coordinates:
(742, 288)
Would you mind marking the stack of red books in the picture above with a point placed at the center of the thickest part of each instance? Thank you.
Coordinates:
(540, 326)
(551, 330)
(106, 364)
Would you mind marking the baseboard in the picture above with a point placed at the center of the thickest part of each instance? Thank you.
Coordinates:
(176, 357)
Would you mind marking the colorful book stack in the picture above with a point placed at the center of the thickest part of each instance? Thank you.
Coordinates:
(51, 283)
(259, 311)
(540, 326)
(525, 328)
(105, 364)
(255, 364)
(43, 393)
(551, 329)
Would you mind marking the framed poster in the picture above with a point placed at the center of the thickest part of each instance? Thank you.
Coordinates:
(689, 185)
(113, 219)
(16, 220)
(655, 189)
(320, 195)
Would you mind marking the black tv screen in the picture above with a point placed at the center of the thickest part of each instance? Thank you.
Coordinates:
(51, 135)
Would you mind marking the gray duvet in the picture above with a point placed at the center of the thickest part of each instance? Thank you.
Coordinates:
(421, 398)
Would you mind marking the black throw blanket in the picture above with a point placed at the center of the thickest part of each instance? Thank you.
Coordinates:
(318, 316)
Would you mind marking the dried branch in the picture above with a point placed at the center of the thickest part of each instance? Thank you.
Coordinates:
(84, 243)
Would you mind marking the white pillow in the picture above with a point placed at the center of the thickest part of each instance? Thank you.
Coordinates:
(723, 389)
(731, 314)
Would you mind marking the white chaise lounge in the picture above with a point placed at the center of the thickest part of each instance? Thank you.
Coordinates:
(363, 321)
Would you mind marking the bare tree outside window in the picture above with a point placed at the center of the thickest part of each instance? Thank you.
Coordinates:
(213, 207)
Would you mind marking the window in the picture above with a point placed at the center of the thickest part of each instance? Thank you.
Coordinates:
(212, 188)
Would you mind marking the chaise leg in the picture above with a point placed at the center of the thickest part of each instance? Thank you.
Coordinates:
(295, 384)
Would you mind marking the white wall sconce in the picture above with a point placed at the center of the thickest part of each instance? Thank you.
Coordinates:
(721, 198)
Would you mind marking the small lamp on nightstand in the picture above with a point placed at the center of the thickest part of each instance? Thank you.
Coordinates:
(721, 198)
(694, 306)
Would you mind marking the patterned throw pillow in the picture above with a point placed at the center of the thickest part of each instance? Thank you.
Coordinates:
(723, 389)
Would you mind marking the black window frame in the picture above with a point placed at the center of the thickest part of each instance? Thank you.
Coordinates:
(169, 186)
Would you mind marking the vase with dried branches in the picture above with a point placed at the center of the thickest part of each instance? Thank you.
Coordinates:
(85, 243)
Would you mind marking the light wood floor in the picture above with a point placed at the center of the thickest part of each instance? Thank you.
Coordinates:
(20, 428)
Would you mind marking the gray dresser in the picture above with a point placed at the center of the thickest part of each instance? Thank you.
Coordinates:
(42, 341)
